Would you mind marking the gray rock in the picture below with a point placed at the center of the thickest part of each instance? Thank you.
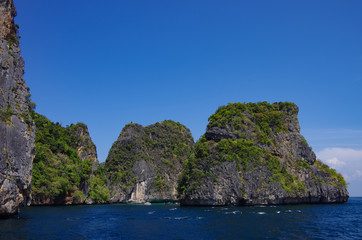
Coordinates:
(85, 146)
(80, 141)
(86, 151)
(217, 134)
(145, 162)
(17, 130)
(218, 178)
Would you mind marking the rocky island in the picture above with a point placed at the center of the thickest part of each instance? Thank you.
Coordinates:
(253, 154)
(64, 165)
(250, 154)
(145, 162)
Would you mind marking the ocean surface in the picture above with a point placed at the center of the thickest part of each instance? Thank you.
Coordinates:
(331, 221)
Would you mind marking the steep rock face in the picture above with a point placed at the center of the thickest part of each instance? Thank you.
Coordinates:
(7, 14)
(84, 144)
(145, 162)
(87, 153)
(17, 130)
(254, 154)
(64, 163)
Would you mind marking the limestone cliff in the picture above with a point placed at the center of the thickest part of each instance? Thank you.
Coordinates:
(254, 154)
(87, 153)
(17, 131)
(64, 163)
(145, 162)
(84, 144)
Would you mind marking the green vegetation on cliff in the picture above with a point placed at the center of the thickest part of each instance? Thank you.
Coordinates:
(58, 171)
(5, 114)
(333, 177)
(154, 153)
(262, 119)
(265, 114)
(98, 190)
(270, 158)
(244, 153)
(253, 152)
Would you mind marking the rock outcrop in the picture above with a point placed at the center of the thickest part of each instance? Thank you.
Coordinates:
(87, 153)
(64, 164)
(253, 154)
(145, 162)
(84, 145)
(17, 130)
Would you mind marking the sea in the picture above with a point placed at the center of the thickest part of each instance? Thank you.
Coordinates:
(171, 221)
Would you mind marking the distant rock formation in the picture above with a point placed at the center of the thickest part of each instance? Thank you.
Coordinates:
(64, 164)
(84, 145)
(145, 162)
(17, 130)
(87, 153)
(253, 154)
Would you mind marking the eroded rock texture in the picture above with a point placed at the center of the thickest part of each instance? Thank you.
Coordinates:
(64, 163)
(145, 162)
(17, 130)
(254, 154)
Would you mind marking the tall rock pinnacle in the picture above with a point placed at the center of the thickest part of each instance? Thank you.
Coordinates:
(17, 130)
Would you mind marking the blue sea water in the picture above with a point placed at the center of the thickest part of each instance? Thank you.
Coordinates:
(332, 221)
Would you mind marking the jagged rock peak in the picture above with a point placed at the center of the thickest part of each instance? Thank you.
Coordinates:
(85, 147)
(7, 14)
(145, 162)
(64, 163)
(17, 130)
(253, 153)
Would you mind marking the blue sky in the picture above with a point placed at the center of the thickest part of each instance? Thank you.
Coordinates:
(112, 62)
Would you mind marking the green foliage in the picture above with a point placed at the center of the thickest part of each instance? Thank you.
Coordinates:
(207, 155)
(242, 151)
(5, 114)
(98, 188)
(288, 182)
(160, 183)
(190, 180)
(168, 140)
(119, 168)
(303, 141)
(27, 117)
(202, 150)
(183, 179)
(54, 175)
(264, 118)
(79, 196)
(287, 107)
(86, 167)
(125, 178)
(166, 145)
(335, 178)
(274, 165)
(31, 104)
(303, 164)
(57, 168)
(255, 126)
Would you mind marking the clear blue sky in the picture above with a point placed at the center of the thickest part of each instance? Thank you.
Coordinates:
(107, 63)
